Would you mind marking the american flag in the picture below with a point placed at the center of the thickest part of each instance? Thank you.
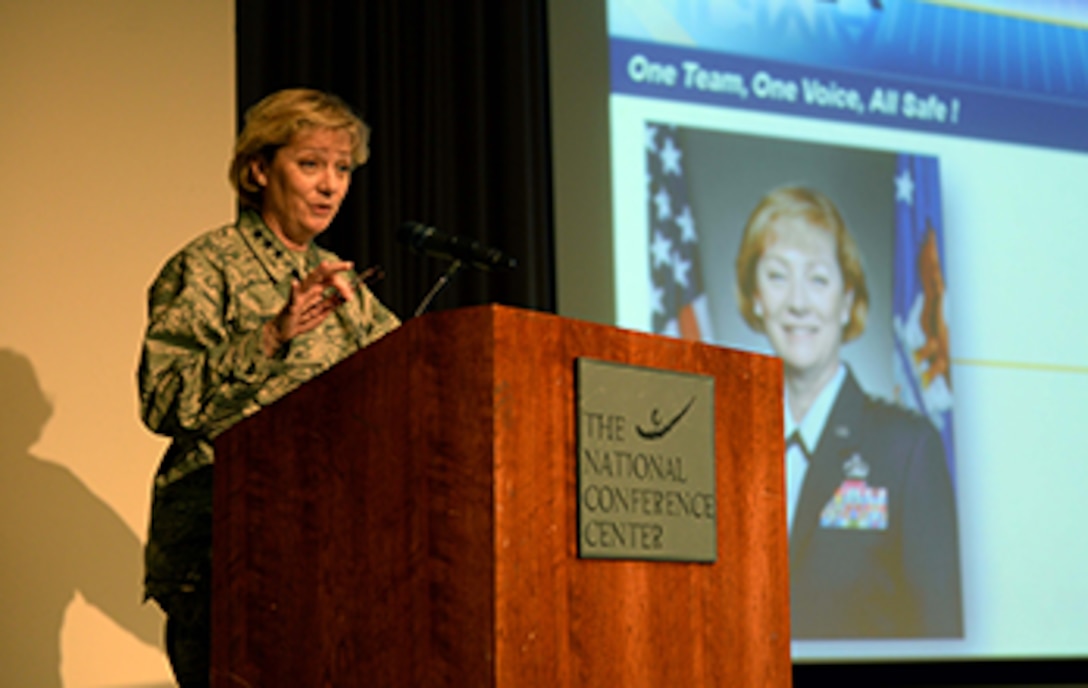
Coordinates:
(679, 305)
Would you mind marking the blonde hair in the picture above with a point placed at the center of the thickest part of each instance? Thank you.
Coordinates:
(818, 210)
(273, 123)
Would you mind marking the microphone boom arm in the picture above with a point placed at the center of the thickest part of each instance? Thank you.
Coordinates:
(452, 270)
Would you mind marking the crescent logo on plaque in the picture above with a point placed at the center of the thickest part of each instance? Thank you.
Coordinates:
(648, 494)
(662, 430)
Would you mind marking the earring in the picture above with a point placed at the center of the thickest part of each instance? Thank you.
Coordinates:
(758, 309)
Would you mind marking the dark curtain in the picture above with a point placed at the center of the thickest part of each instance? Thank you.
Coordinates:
(456, 94)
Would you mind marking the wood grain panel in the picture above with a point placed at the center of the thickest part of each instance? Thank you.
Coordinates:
(409, 519)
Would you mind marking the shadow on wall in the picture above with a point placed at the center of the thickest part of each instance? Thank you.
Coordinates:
(56, 539)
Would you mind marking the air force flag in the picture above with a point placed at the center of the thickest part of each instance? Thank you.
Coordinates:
(923, 362)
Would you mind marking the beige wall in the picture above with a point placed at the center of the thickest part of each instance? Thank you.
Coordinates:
(117, 120)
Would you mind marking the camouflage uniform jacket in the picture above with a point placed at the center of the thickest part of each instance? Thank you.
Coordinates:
(203, 369)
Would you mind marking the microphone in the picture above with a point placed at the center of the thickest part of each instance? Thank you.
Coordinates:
(429, 240)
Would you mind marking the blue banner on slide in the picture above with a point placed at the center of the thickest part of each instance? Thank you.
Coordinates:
(1034, 48)
(730, 80)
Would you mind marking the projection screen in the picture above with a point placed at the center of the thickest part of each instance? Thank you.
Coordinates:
(952, 139)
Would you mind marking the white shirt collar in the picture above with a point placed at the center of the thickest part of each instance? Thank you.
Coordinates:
(812, 425)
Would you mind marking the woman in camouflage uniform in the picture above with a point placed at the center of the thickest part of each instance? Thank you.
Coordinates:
(239, 317)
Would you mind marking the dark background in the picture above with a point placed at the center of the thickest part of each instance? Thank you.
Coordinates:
(456, 95)
(456, 92)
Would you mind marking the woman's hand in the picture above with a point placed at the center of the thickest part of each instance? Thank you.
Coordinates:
(310, 302)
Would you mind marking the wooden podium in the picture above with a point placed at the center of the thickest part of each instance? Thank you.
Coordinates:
(409, 519)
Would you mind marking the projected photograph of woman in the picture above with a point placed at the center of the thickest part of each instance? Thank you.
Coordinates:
(873, 533)
(830, 257)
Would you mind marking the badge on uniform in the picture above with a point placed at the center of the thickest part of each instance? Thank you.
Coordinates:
(856, 505)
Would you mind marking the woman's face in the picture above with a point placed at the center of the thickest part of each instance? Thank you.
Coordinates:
(801, 297)
(305, 184)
